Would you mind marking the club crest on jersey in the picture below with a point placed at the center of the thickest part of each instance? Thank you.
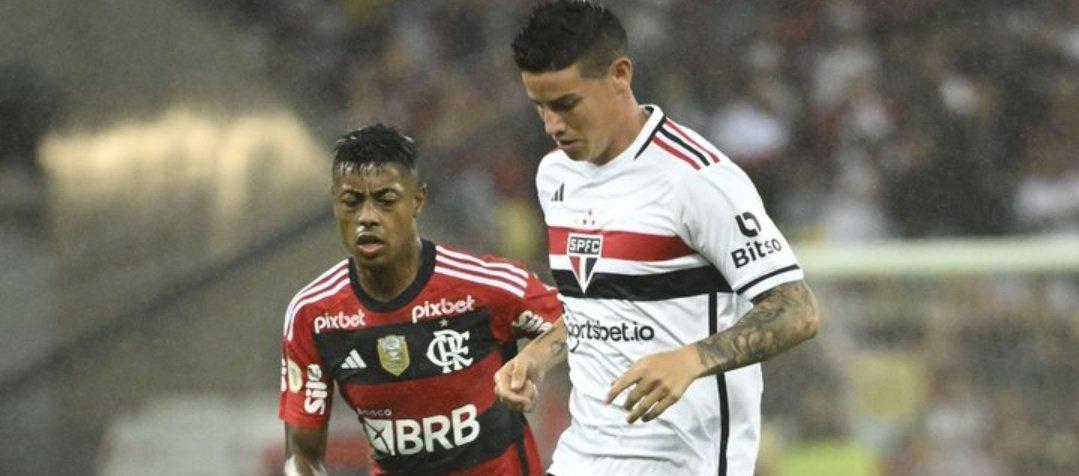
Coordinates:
(584, 252)
(393, 353)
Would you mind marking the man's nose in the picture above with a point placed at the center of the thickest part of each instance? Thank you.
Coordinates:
(368, 215)
(553, 123)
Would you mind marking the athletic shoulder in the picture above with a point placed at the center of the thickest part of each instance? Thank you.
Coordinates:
(551, 166)
(489, 272)
(316, 294)
(680, 150)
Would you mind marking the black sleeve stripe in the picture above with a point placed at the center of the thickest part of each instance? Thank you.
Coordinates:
(650, 136)
(686, 146)
(769, 275)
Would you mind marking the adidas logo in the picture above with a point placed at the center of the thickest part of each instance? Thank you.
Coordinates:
(559, 195)
(353, 361)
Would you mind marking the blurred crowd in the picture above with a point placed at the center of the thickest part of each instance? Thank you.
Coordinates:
(858, 121)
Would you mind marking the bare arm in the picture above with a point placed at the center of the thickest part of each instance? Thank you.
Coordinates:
(516, 383)
(781, 318)
(306, 449)
(549, 348)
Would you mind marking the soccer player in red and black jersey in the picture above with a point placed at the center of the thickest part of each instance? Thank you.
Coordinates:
(410, 331)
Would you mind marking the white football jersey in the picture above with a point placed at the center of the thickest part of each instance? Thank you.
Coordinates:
(662, 246)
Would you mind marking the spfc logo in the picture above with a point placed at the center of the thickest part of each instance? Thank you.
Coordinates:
(584, 252)
(393, 353)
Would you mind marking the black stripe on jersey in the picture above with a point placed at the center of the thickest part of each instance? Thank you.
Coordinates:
(427, 268)
(766, 276)
(334, 347)
(721, 383)
(522, 451)
(650, 136)
(499, 428)
(686, 146)
(646, 287)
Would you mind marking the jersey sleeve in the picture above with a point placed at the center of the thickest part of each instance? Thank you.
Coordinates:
(723, 218)
(529, 308)
(536, 311)
(306, 386)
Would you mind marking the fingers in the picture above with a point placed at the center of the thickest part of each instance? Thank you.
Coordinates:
(650, 396)
(522, 398)
(660, 407)
(623, 382)
(636, 409)
(518, 375)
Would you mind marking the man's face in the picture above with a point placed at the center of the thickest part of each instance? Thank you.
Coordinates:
(376, 209)
(577, 112)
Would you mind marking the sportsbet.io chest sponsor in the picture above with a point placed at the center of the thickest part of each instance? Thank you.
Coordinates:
(623, 332)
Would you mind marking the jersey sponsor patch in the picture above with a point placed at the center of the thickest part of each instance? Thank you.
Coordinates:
(315, 392)
(340, 321)
(531, 322)
(405, 436)
(443, 308)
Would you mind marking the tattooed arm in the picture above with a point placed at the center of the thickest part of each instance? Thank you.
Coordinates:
(781, 318)
(516, 383)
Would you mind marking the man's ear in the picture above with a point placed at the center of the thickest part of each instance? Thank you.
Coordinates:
(421, 199)
(621, 71)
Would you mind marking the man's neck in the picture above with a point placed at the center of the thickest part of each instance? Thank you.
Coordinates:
(385, 283)
(633, 120)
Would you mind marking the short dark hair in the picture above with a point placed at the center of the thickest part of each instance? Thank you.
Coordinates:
(377, 145)
(561, 33)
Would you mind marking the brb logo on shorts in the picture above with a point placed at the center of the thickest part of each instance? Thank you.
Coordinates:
(584, 252)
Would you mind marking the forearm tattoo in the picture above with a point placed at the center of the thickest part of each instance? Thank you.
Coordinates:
(781, 318)
(552, 339)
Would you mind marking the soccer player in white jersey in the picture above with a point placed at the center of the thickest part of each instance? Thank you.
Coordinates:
(675, 282)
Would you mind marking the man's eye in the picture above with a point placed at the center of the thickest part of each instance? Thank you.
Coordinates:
(563, 106)
(350, 201)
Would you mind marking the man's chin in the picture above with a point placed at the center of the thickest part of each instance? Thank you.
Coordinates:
(376, 259)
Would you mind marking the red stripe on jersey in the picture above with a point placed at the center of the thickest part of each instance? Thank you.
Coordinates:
(682, 134)
(625, 245)
(675, 152)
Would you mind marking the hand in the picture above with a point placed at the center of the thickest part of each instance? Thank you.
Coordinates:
(516, 383)
(658, 381)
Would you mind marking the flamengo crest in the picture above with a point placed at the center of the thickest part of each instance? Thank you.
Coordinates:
(584, 252)
(448, 350)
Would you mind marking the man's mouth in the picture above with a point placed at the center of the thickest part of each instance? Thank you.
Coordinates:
(567, 144)
(369, 244)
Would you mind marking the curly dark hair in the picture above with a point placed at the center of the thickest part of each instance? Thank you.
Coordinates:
(561, 33)
(378, 145)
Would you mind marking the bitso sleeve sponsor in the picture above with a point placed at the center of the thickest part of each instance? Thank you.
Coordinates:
(726, 222)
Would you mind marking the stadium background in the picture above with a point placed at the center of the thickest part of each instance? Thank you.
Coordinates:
(163, 189)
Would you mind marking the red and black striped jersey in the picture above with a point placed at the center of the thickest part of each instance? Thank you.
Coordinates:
(418, 370)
